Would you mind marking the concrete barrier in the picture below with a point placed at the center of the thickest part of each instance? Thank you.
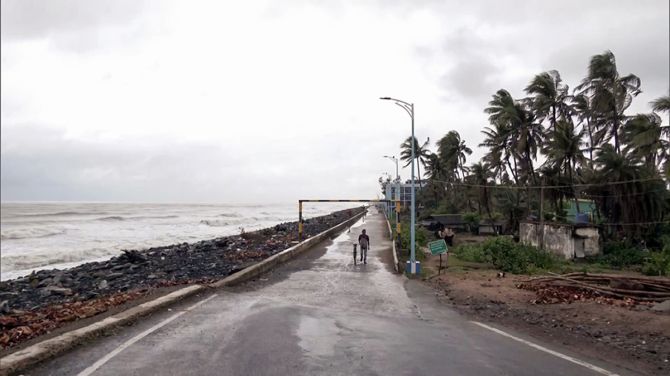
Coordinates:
(49, 348)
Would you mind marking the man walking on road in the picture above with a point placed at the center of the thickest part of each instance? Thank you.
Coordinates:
(364, 241)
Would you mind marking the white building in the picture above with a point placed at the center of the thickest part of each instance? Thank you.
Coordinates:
(405, 193)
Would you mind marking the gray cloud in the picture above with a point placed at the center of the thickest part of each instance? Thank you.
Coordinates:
(39, 163)
(39, 19)
(134, 91)
(74, 25)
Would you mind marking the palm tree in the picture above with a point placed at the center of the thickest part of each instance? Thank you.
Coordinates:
(642, 135)
(582, 106)
(610, 93)
(525, 133)
(481, 174)
(549, 97)
(434, 169)
(421, 154)
(661, 104)
(637, 200)
(453, 152)
(564, 151)
(498, 157)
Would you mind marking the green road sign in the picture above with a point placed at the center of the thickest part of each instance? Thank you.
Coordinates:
(438, 247)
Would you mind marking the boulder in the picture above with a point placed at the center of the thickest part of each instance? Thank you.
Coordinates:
(4, 307)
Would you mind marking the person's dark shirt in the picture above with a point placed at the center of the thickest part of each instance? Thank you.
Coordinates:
(366, 237)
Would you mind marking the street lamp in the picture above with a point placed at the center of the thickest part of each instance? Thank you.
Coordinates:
(397, 194)
(409, 108)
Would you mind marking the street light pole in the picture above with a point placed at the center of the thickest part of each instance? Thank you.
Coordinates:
(409, 108)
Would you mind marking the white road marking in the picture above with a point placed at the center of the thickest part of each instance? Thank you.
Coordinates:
(552, 352)
(94, 367)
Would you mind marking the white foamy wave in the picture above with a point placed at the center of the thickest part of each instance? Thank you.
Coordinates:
(219, 223)
(111, 218)
(29, 233)
(136, 218)
(35, 260)
(60, 214)
(230, 215)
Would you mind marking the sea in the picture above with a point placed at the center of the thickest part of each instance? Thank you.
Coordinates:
(46, 235)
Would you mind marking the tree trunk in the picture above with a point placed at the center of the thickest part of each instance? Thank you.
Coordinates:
(588, 127)
(574, 192)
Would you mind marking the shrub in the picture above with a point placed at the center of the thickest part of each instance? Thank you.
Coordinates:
(470, 252)
(472, 219)
(658, 263)
(621, 255)
(422, 236)
(507, 255)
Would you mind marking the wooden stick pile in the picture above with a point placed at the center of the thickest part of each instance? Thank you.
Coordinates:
(649, 289)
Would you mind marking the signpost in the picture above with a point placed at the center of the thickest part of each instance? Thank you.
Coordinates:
(438, 247)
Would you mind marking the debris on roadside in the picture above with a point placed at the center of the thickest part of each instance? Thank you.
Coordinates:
(603, 288)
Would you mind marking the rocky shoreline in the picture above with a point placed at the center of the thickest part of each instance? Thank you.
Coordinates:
(27, 303)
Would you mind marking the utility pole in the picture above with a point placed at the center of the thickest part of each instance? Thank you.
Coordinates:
(541, 245)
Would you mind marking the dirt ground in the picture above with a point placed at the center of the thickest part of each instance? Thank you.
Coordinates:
(634, 337)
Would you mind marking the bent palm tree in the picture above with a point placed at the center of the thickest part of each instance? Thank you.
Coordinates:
(549, 97)
(564, 151)
(421, 154)
(642, 135)
(453, 152)
(610, 93)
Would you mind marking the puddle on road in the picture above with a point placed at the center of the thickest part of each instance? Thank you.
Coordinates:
(318, 336)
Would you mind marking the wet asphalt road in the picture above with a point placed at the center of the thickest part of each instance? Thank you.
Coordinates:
(318, 314)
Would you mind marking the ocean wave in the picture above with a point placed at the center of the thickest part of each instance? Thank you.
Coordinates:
(30, 233)
(229, 215)
(138, 217)
(28, 261)
(111, 218)
(59, 214)
(214, 222)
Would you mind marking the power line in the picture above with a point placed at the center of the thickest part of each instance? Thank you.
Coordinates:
(523, 187)
(589, 195)
(633, 223)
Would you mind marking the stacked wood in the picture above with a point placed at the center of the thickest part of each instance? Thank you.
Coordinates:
(638, 288)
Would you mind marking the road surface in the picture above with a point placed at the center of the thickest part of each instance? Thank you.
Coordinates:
(320, 314)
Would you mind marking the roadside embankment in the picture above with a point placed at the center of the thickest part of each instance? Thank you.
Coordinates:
(46, 300)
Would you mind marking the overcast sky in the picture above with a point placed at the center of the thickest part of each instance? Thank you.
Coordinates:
(272, 101)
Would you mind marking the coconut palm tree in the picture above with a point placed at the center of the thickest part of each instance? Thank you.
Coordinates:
(421, 154)
(497, 141)
(453, 152)
(525, 133)
(564, 150)
(582, 106)
(610, 94)
(642, 135)
(549, 97)
(661, 104)
(481, 174)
